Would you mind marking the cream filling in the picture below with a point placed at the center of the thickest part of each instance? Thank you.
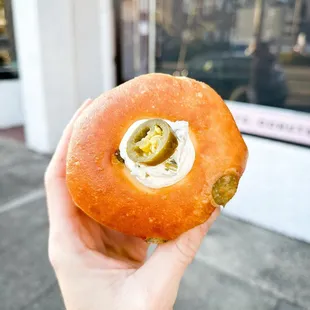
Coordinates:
(162, 175)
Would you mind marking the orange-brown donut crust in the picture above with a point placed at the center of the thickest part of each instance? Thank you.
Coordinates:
(104, 189)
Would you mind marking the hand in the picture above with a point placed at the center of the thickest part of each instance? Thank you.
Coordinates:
(98, 268)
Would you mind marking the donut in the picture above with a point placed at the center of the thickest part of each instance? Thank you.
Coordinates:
(153, 157)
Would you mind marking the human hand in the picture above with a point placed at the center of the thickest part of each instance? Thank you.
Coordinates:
(98, 268)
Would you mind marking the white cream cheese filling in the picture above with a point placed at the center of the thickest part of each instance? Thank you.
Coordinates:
(162, 175)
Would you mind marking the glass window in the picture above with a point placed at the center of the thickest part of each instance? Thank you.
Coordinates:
(254, 53)
(250, 51)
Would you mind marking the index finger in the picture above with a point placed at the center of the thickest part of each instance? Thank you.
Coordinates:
(59, 203)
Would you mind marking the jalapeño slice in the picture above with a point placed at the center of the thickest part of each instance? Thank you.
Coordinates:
(225, 188)
(152, 143)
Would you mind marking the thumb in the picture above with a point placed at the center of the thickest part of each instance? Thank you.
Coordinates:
(169, 261)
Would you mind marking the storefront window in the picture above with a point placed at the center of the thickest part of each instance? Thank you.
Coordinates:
(255, 52)
(249, 51)
(8, 67)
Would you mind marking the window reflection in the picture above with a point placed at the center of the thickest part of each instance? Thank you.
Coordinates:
(250, 51)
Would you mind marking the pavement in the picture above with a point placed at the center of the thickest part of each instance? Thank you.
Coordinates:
(239, 266)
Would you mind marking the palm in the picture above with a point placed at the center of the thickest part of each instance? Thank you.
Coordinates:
(109, 243)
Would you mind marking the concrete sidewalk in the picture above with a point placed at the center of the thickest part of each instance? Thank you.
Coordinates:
(239, 266)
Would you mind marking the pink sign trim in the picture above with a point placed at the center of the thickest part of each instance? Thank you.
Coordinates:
(285, 125)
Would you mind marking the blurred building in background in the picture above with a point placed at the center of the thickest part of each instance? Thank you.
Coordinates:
(254, 53)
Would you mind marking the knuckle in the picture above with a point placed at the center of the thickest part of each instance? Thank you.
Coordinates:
(47, 177)
(140, 302)
(53, 257)
(186, 250)
(188, 244)
(55, 252)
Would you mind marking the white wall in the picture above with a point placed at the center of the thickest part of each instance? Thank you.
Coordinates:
(10, 104)
(94, 47)
(275, 189)
(63, 60)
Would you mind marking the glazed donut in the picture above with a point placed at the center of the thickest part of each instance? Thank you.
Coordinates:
(134, 195)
